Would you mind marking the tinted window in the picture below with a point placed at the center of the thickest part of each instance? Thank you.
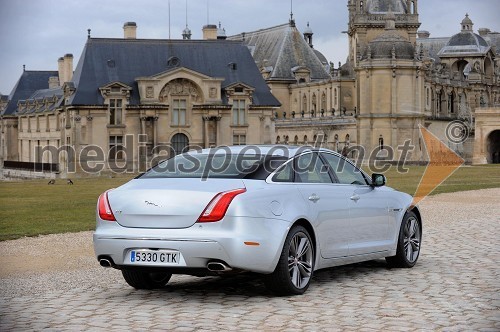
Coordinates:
(310, 169)
(346, 172)
(196, 165)
(266, 167)
(284, 174)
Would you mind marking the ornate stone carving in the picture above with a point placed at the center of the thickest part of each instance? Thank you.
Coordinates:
(180, 87)
(213, 93)
(150, 92)
(89, 118)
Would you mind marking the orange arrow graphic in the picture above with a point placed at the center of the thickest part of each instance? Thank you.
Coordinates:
(443, 162)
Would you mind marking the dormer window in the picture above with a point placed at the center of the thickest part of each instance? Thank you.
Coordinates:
(115, 111)
(302, 74)
(239, 112)
(116, 95)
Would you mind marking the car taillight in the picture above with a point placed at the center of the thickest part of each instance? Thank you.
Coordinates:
(105, 212)
(216, 209)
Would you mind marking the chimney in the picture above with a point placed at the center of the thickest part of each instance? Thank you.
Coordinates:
(68, 67)
(60, 68)
(422, 34)
(210, 32)
(53, 82)
(483, 32)
(130, 30)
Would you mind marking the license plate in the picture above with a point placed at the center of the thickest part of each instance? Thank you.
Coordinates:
(155, 257)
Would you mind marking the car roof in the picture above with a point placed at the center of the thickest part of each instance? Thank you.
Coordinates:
(273, 150)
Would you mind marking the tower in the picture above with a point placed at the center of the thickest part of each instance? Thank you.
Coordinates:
(390, 84)
(367, 21)
(308, 35)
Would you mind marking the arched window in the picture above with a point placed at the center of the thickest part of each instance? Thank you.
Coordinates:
(304, 104)
(335, 97)
(286, 139)
(336, 139)
(305, 139)
(347, 139)
(179, 143)
(296, 140)
(278, 140)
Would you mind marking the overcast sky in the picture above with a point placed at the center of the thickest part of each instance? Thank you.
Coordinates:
(37, 32)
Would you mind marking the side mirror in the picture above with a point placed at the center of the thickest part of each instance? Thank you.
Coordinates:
(378, 180)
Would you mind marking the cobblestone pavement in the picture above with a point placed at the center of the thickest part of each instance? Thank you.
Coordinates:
(454, 287)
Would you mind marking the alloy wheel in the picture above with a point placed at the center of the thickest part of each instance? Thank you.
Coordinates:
(300, 260)
(412, 239)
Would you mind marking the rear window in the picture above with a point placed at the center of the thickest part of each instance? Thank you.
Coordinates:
(228, 166)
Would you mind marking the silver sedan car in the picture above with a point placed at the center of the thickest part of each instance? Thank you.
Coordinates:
(280, 211)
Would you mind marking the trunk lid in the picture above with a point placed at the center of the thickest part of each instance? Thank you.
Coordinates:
(165, 203)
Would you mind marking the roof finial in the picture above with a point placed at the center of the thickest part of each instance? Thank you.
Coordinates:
(88, 33)
(24, 67)
(292, 21)
(186, 14)
(208, 12)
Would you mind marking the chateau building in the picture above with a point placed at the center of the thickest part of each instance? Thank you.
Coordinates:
(395, 79)
(167, 95)
(217, 91)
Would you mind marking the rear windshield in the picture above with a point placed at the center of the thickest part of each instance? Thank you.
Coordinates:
(228, 166)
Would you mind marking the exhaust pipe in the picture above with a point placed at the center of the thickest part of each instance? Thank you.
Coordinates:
(105, 262)
(218, 267)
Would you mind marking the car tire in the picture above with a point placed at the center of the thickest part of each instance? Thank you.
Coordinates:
(294, 270)
(146, 280)
(409, 242)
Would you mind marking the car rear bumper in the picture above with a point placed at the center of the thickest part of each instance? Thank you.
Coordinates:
(251, 244)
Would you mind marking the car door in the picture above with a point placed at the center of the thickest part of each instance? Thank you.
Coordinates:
(328, 204)
(368, 210)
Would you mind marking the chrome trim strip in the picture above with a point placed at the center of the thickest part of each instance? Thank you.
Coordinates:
(152, 239)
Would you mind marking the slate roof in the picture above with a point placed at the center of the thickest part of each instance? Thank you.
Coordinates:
(124, 60)
(29, 82)
(37, 102)
(465, 43)
(280, 49)
(493, 39)
(432, 46)
(384, 6)
(382, 46)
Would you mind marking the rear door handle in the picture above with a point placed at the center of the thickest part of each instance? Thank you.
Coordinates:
(314, 198)
(355, 197)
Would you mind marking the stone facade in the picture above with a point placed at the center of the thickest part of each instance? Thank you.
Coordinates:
(487, 136)
(395, 80)
(147, 111)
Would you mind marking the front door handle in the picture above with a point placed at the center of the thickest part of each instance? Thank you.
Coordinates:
(355, 197)
(314, 198)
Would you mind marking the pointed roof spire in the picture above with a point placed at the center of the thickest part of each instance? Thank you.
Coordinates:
(292, 21)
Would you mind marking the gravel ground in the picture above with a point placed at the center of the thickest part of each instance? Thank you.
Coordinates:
(458, 271)
(37, 265)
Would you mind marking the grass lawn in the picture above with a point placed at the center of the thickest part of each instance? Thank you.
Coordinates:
(29, 208)
(33, 207)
